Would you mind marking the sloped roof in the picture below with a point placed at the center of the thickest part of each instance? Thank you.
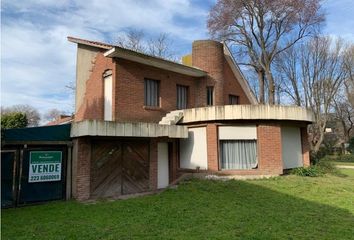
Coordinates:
(114, 51)
(90, 43)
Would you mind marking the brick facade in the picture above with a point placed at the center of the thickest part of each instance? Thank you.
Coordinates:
(153, 164)
(128, 86)
(209, 56)
(212, 147)
(128, 106)
(81, 169)
(92, 106)
(129, 98)
(269, 148)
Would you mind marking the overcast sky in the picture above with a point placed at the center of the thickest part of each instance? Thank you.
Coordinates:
(37, 61)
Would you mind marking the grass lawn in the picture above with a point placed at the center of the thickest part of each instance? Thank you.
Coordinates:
(289, 207)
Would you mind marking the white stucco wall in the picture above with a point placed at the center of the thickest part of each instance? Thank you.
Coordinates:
(193, 150)
(237, 132)
(291, 147)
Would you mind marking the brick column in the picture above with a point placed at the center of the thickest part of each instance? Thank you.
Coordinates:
(212, 146)
(305, 147)
(153, 164)
(209, 56)
(81, 169)
(270, 148)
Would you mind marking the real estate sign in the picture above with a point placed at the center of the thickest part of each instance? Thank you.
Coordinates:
(44, 166)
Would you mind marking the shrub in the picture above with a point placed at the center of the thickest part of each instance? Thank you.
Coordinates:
(346, 158)
(13, 120)
(319, 169)
(326, 167)
(351, 145)
(311, 171)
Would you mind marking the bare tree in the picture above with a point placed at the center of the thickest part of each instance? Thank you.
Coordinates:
(287, 70)
(32, 114)
(136, 40)
(161, 47)
(322, 69)
(262, 29)
(133, 40)
(53, 114)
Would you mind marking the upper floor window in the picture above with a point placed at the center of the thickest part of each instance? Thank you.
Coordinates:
(210, 96)
(233, 100)
(182, 97)
(151, 93)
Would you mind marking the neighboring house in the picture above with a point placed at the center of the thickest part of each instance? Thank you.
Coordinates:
(141, 121)
(60, 120)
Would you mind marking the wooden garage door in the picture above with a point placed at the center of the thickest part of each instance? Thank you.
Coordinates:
(119, 168)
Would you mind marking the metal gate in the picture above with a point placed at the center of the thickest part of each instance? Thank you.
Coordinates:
(119, 168)
(32, 175)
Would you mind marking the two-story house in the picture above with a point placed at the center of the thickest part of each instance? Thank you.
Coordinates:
(141, 121)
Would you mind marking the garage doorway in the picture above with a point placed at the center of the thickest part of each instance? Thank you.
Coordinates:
(119, 168)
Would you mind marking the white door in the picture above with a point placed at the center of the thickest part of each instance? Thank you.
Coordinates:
(162, 165)
(108, 98)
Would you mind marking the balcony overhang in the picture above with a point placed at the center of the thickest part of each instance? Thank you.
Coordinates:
(247, 112)
(118, 52)
(116, 129)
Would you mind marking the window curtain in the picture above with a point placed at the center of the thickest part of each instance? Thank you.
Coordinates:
(182, 97)
(151, 92)
(239, 154)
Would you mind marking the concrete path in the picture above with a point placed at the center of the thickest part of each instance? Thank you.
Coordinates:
(345, 166)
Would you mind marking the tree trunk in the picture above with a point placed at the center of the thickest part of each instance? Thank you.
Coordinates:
(271, 91)
(260, 74)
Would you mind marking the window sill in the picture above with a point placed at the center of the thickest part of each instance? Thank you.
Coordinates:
(151, 108)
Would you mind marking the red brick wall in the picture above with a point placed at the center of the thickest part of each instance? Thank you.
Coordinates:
(81, 168)
(128, 86)
(153, 164)
(212, 147)
(305, 147)
(209, 56)
(233, 87)
(129, 90)
(269, 148)
(92, 106)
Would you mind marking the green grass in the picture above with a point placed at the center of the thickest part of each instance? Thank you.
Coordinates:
(289, 207)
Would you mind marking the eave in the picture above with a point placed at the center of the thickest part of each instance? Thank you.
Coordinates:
(117, 52)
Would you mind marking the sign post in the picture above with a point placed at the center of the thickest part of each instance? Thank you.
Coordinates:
(45, 166)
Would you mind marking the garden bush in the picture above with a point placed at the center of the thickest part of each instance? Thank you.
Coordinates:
(319, 169)
(345, 158)
(311, 171)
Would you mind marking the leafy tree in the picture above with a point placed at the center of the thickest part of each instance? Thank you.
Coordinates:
(13, 120)
(32, 114)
